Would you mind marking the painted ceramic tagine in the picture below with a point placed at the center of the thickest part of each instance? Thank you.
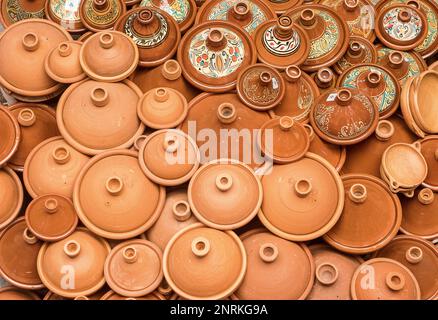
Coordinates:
(10, 135)
(111, 295)
(213, 53)
(62, 64)
(98, 15)
(66, 14)
(155, 33)
(13, 11)
(429, 150)
(279, 261)
(11, 193)
(360, 50)
(203, 263)
(325, 79)
(13, 293)
(283, 5)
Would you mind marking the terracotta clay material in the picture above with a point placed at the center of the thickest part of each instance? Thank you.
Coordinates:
(360, 50)
(99, 15)
(325, 79)
(425, 108)
(111, 295)
(10, 135)
(62, 63)
(14, 11)
(429, 150)
(85, 36)
(65, 14)
(12, 293)
(281, 7)
(11, 193)
(53, 296)
(405, 106)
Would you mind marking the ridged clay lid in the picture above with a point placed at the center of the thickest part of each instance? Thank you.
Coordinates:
(62, 63)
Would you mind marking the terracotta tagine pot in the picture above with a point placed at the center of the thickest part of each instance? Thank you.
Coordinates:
(52, 168)
(117, 208)
(155, 33)
(11, 193)
(95, 116)
(212, 54)
(202, 263)
(98, 15)
(424, 108)
(169, 157)
(16, 10)
(374, 81)
(111, 295)
(18, 259)
(37, 123)
(360, 50)
(371, 216)
(429, 150)
(10, 135)
(327, 31)
(51, 217)
(62, 63)
(79, 258)
(13, 293)
(344, 116)
(325, 79)
(66, 14)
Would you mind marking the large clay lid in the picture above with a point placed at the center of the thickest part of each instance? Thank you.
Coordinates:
(111, 295)
(429, 150)
(95, 116)
(204, 263)
(18, 256)
(10, 135)
(360, 50)
(13, 11)
(62, 63)
(99, 15)
(384, 279)
(277, 269)
(425, 107)
(82, 256)
(376, 82)
(11, 193)
(213, 53)
(37, 123)
(24, 45)
(155, 33)
(302, 200)
(51, 217)
(327, 31)
(371, 216)
(52, 168)
(344, 116)
(123, 203)
(13, 293)
(66, 14)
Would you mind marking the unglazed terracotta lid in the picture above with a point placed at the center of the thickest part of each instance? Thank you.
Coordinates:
(51, 217)
(62, 63)
(360, 50)
(10, 135)
(277, 269)
(376, 82)
(281, 6)
(66, 14)
(155, 33)
(406, 101)
(327, 31)
(384, 279)
(429, 150)
(24, 46)
(260, 87)
(52, 168)
(18, 256)
(82, 256)
(213, 53)
(203, 263)
(99, 15)
(424, 107)
(11, 193)
(16, 10)
(302, 200)
(111, 295)
(344, 116)
(114, 199)
(371, 216)
(95, 116)
(162, 108)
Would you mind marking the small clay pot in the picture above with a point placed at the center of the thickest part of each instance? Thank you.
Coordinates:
(66, 14)
(11, 193)
(10, 135)
(15, 11)
(111, 295)
(62, 63)
(98, 15)
(360, 50)
(13, 293)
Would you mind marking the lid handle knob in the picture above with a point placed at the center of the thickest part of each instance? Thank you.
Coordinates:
(293, 73)
(426, 196)
(327, 273)
(404, 15)
(414, 255)
(26, 117)
(99, 96)
(265, 78)
(29, 237)
(106, 39)
(171, 70)
(61, 155)
(200, 246)
(324, 78)
(355, 49)
(161, 94)
(130, 254)
(351, 5)
(51, 205)
(224, 182)
(145, 16)
(72, 248)
(357, 193)
(344, 97)
(384, 130)
(268, 252)
(303, 187)
(286, 123)
(284, 27)
(64, 49)
(395, 59)
(100, 5)
(307, 17)
(181, 210)
(373, 79)
(226, 112)
(171, 143)
(241, 10)
(114, 185)
(30, 41)
(216, 39)
(395, 281)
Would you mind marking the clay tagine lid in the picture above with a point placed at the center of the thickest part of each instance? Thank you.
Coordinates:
(66, 14)
(169, 157)
(203, 263)
(376, 82)
(213, 53)
(82, 254)
(371, 216)
(111, 295)
(62, 63)
(344, 116)
(51, 217)
(155, 33)
(18, 256)
(327, 31)
(10, 135)
(16, 10)
(424, 107)
(52, 168)
(225, 194)
(134, 268)
(260, 87)
(272, 264)
(95, 116)
(281, 7)
(98, 15)
(392, 281)
(302, 200)
(13, 293)
(117, 207)
(162, 108)
(25, 45)
(429, 150)
(11, 193)
(360, 50)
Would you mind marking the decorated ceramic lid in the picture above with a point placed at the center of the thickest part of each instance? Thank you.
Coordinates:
(424, 107)
(24, 45)
(11, 193)
(10, 135)
(203, 263)
(371, 216)
(429, 150)
(169, 157)
(260, 87)
(213, 53)
(344, 116)
(111, 295)
(52, 168)
(283, 5)
(82, 256)
(18, 256)
(66, 14)
(99, 15)
(360, 50)
(162, 108)
(114, 199)
(327, 31)
(384, 279)
(13, 11)
(13, 293)
(155, 33)
(51, 217)
(62, 63)
(302, 200)
(374, 81)
(95, 116)
(182, 11)
(225, 194)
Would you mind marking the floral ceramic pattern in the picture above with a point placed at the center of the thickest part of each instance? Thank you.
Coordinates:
(368, 57)
(257, 92)
(16, 12)
(280, 47)
(178, 9)
(106, 17)
(327, 42)
(216, 64)
(414, 68)
(305, 99)
(402, 31)
(66, 10)
(148, 41)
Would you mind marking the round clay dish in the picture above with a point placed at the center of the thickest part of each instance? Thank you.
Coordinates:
(405, 106)
(62, 63)
(10, 135)
(11, 193)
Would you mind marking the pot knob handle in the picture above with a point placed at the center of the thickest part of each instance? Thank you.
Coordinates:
(171, 70)
(357, 193)
(293, 73)
(29, 237)
(30, 41)
(72, 248)
(51, 205)
(130, 254)
(99, 96)
(327, 273)
(181, 210)
(61, 155)
(426, 196)
(268, 252)
(395, 281)
(224, 182)
(226, 112)
(106, 40)
(303, 187)
(200, 246)
(26, 117)
(114, 185)
(384, 130)
(241, 10)
(414, 255)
